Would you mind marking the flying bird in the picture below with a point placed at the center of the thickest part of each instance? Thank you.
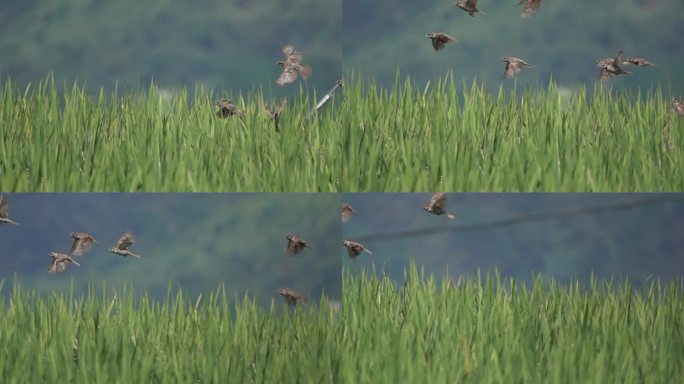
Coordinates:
(439, 39)
(291, 296)
(514, 65)
(274, 114)
(59, 262)
(437, 205)
(639, 62)
(121, 248)
(228, 108)
(4, 212)
(347, 212)
(468, 6)
(295, 245)
(609, 67)
(82, 243)
(292, 66)
(355, 249)
(530, 9)
(678, 107)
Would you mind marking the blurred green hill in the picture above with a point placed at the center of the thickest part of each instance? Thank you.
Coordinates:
(218, 44)
(563, 40)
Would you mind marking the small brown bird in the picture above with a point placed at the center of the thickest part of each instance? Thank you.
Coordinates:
(609, 67)
(469, 6)
(59, 262)
(292, 66)
(639, 62)
(439, 39)
(4, 212)
(437, 205)
(228, 108)
(274, 114)
(355, 249)
(347, 212)
(82, 243)
(295, 245)
(530, 9)
(291, 296)
(514, 65)
(678, 107)
(121, 248)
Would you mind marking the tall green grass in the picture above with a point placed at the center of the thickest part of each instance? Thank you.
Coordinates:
(443, 136)
(494, 330)
(472, 330)
(110, 336)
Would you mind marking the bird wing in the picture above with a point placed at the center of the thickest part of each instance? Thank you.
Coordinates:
(604, 74)
(438, 200)
(531, 8)
(288, 75)
(125, 241)
(4, 207)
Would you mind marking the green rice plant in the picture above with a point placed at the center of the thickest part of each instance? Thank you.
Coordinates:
(498, 330)
(405, 138)
(483, 329)
(111, 335)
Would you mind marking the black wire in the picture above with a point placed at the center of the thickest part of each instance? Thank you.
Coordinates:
(427, 231)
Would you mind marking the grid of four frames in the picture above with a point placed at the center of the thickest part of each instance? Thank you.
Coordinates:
(342, 192)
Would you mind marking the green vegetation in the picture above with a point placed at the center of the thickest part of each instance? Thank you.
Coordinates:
(401, 139)
(495, 330)
(478, 330)
(109, 337)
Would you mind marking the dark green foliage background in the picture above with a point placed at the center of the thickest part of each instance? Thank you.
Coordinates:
(563, 40)
(220, 44)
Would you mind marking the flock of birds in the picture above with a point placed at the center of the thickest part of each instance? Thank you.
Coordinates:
(608, 67)
(83, 242)
(295, 244)
(292, 66)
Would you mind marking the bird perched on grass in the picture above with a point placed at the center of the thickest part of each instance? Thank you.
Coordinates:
(530, 9)
(437, 205)
(274, 113)
(295, 245)
(514, 65)
(82, 243)
(4, 212)
(121, 247)
(469, 6)
(347, 212)
(292, 66)
(678, 107)
(60, 261)
(228, 108)
(291, 296)
(439, 39)
(611, 66)
(355, 249)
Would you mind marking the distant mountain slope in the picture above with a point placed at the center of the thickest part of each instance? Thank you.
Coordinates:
(222, 45)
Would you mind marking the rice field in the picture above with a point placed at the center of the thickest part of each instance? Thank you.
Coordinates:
(112, 335)
(473, 330)
(445, 136)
